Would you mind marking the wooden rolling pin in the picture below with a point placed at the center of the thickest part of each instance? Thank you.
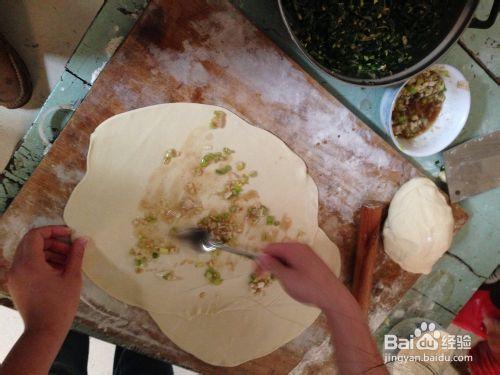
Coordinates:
(372, 214)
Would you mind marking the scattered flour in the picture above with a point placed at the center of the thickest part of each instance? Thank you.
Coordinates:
(317, 356)
(72, 176)
(268, 76)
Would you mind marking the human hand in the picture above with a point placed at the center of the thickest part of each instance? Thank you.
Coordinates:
(302, 273)
(45, 279)
(493, 329)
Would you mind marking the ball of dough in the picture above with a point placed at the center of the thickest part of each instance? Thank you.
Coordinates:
(419, 226)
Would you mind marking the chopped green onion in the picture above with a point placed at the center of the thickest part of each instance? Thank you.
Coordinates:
(219, 120)
(236, 190)
(170, 154)
(412, 89)
(223, 170)
(168, 275)
(167, 250)
(264, 209)
(244, 179)
(240, 165)
(213, 276)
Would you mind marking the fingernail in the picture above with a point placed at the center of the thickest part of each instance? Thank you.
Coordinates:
(84, 240)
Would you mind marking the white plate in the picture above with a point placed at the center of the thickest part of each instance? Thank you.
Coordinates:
(449, 122)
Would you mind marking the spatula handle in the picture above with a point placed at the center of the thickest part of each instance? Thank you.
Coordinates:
(233, 250)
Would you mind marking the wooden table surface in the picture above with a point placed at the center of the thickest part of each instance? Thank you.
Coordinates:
(194, 52)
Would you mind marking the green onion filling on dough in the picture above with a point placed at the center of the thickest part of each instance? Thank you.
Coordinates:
(215, 157)
(169, 155)
(270, 220)
(219, 120)
(213, 276)
(167, 250)
(151, 219)
(223, 170)
(169, 276)
(256, 212)
(259, 283)
(240, 165)
(220, 225)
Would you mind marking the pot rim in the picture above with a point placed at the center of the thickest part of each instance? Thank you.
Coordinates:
(453, 35)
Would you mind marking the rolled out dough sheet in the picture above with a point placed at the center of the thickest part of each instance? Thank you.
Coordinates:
(125, 168)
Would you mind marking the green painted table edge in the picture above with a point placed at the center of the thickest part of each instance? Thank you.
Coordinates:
(436, 296)
(106, 32)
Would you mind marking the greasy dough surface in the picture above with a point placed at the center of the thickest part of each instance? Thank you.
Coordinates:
(126, 173)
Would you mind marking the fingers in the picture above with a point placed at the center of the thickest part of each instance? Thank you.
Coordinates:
(52, 231)
(57, 246)
(273, 265)
(53, 257)
(32, 245)
(289, 253)
(75, 257)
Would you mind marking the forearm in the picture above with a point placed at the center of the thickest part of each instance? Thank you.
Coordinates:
(355, 349)
(33, 353)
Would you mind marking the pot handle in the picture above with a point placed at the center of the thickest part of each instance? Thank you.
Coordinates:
(488, 22)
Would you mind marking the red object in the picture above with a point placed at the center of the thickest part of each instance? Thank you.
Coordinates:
(483, 361)
(471, 316)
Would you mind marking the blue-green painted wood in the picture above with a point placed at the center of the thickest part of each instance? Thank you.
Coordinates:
(56, 111)
(485, 44)
(105, 34)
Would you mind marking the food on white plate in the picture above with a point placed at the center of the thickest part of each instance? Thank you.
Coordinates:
(418, 104)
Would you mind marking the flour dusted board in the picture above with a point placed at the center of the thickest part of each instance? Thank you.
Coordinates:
(193, 52)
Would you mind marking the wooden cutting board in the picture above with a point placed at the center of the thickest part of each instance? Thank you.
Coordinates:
(189, 51)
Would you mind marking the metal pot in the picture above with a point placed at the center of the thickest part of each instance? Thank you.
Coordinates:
(465, 19)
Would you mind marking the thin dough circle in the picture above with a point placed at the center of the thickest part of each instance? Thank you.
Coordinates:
(125, 164)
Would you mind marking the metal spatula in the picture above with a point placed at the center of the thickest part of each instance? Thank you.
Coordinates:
(200, 239)
(473, 166)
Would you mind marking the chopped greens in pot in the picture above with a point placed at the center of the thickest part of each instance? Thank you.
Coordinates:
(371, 38)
